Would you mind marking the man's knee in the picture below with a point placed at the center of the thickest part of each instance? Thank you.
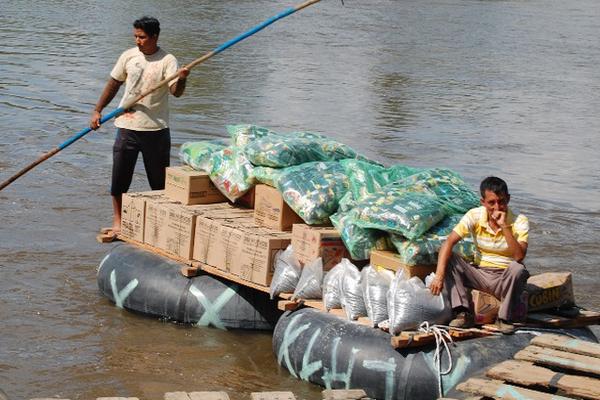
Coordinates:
(518, 271)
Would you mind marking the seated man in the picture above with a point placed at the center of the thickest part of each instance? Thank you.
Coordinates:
(501, 239)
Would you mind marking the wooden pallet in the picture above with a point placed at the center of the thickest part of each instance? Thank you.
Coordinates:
(552, 367)
(288, 304)
(328, 394)
(409, 339)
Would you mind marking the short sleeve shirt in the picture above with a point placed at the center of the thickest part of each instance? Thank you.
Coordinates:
(492, 245)
(140, 72)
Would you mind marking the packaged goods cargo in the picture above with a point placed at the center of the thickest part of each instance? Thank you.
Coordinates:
(550, 290)
(310, 285)
(271, 211)
(231, 172)
(133, 212)
(197, 154)
(392, 261)
(375, 284)
(312, 242)
(287, 273)
(351, 292)
(188, 186)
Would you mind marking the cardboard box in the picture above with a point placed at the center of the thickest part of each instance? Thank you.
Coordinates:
(154, 220)
(188, 186)
(271, 211)
(550, 290)
(224, 246)
(256, 259)
(485, 307)
(391, 260)
(311, 242)
(133, 213)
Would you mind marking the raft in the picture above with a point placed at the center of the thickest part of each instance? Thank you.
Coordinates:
(337, 354)
(311, 344)
(151, 284)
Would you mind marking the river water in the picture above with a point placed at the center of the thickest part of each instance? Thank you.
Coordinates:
(509, 88)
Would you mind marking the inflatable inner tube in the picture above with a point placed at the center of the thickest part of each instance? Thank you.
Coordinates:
(337, 354)
(145, 282)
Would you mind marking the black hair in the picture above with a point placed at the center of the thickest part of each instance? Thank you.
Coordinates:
(150, 25)
(493, 184)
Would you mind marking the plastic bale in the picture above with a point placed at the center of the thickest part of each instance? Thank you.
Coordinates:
(332, 297)
(353, 301)
(313, 190)
(411, 303)
(267, 175)
(243, 134)
(424, 250)
(310, 285)
(447, 185)
(375, 286)
(197, 154)
(359, 241)
(367, 178)
(287, 273)
(400, 211)
(231, 172)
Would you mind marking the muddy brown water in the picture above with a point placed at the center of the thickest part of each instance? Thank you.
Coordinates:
(484, 87)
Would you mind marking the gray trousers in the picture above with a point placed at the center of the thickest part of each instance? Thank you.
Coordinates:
(505, 284)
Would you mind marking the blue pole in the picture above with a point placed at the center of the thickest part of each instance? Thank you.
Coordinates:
(130, 103)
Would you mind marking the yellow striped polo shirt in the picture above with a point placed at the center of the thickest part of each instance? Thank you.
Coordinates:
(492, 245)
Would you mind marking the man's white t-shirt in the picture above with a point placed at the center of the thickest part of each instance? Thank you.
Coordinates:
(140, 72)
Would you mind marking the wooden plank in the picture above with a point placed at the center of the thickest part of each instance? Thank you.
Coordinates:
(208, 396)
(585, 318)
(566, 343)
(189, 271)
(342, 394)
(561, 359)
(272, 396)
(155, 250)
(177, 396)
(408, 339)
(526, 374)
(231, 277)
(499, 390)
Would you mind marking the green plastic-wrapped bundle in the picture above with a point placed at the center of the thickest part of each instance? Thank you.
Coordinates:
(283, 151)
(447, 185)
(267, 175)
(424, 250)
(313, 190)
(396, 209)
(368, 178)
(197, 154)
(231, 172)
(243, 134)
(359, 241)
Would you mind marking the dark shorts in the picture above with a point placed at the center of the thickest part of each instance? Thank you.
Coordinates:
(156, 152)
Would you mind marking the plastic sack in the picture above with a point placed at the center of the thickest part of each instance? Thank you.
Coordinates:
(424, 250)
(447, 185)
(243, 134)
(353, 302)
(197, 154)
(313, 190)
(279, 151)
(367, 178)
(410, 303)
(375, 287)
(310, 284)
(287, 273)
(397, 210)
(231, 172)
(359, 241)
(332, 298)
(268, 176)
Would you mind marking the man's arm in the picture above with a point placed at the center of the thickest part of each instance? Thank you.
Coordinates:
(178, 87)
(110, 91)
(443, 257)
(517, 249)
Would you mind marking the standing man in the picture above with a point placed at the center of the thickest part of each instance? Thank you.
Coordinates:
(145, 126)
(501, 239)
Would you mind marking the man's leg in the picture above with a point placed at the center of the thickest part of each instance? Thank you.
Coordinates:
(125, 153)
(510, 289)
(156, 150)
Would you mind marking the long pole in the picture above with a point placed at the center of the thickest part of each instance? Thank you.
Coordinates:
(133, 101)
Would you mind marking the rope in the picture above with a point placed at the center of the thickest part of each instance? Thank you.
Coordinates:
(442, 338)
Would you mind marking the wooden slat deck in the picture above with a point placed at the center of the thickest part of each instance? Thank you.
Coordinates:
(551, 367)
